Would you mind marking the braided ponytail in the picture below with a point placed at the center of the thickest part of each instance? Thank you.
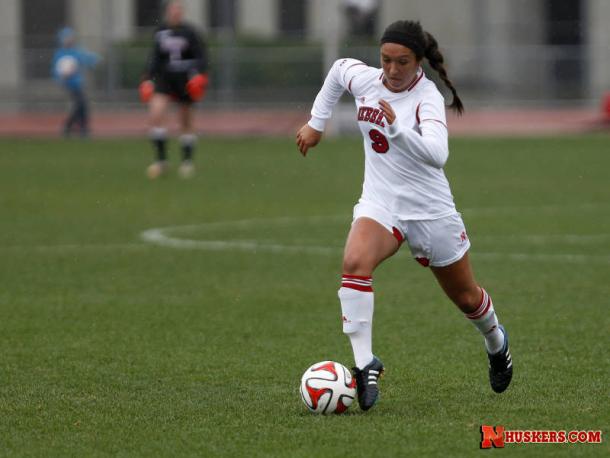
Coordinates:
(436, 60)
(411, 35)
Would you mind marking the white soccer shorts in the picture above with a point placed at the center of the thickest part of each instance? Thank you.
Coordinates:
(438, 242)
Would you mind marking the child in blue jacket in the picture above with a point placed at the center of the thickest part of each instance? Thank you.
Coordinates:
(68, 69)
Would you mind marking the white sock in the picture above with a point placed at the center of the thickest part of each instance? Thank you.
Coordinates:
(485, 320)
(157, 133)
(357, 305)
(188, 139)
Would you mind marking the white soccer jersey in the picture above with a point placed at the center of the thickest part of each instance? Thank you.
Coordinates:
(403, 161)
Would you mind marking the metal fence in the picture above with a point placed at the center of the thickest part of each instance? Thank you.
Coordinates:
(273, 75)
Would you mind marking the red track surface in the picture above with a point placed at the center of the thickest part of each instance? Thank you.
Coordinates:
(285, 123)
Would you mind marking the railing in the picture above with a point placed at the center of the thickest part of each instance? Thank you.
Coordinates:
(291, 75)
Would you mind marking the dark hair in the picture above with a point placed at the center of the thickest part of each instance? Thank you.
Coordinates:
(423, 44)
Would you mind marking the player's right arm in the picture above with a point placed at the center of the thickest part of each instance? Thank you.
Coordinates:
(307, 137)
(146, 88)
(340, 77)
(155, 60)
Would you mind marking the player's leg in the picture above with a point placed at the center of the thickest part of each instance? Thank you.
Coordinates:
(82, 113)
(72, 115)
(187, 139)
(458, 282)
(368, 244)
(157, 109)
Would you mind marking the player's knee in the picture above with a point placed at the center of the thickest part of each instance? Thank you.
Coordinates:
(467, 299)
(156, 119)
(357, 264)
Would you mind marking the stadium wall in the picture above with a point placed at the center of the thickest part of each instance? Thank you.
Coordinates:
(495, 57)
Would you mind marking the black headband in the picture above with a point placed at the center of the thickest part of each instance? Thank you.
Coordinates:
(404, 39)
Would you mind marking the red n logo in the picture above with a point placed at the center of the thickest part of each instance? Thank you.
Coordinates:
(491, 436)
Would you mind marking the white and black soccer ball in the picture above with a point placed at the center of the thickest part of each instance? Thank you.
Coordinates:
(66, 66)
(328, 387)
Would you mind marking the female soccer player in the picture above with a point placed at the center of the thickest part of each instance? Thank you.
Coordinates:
(176, 71)
(405, 196)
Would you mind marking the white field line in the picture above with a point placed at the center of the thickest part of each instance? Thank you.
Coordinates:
(529, 257)
(538, 239)
(157, 237)
(76, 247)
(169, 237)
(176, 237)
(253, 247)
(539, 209)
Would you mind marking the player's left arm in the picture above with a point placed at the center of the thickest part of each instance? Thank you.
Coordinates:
(199, 51)
(432, 145)
(88, 58)
(198, 80)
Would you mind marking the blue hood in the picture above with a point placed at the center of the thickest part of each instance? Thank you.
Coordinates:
(64, 34)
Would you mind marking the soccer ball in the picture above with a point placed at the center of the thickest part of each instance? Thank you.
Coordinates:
(66, 66)
(328, 387)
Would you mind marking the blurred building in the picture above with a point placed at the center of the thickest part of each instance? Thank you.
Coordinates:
(498, 51)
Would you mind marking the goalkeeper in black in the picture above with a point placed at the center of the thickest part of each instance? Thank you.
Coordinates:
(176, 71)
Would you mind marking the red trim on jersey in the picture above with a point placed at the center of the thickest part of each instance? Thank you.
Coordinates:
(397, 234)
(349, 85)
(415, 81)
(366, 289)
(354, 65)
(357, 277)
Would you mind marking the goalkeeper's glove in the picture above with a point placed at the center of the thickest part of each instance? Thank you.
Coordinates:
(196, 86)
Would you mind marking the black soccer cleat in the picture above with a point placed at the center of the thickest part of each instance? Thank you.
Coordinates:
(501, 367)
(366, 383)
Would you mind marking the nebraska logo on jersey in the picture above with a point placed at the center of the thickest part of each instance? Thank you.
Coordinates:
(370, 114)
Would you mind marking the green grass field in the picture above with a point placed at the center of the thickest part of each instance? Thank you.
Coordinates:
(112, 345)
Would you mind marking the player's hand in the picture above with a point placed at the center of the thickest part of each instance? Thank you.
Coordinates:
(146, 90)
(307, 137)
(197, 86)
(388, 111)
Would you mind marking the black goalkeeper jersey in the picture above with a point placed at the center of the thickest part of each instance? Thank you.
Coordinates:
(177, 49)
